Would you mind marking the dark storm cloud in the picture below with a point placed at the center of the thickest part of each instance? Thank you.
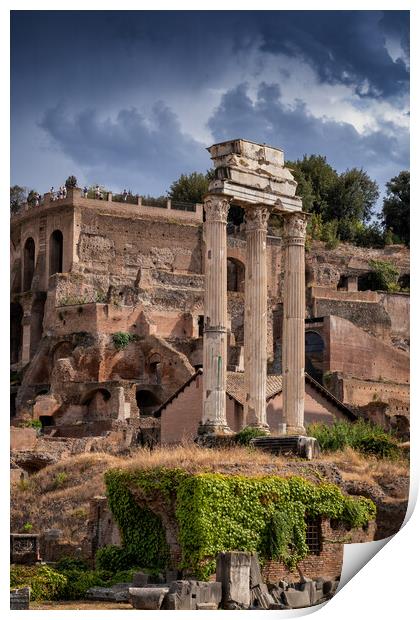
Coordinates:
(129, 143)
(298, 132)
(346, 47)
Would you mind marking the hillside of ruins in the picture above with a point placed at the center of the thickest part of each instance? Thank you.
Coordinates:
(151, 335)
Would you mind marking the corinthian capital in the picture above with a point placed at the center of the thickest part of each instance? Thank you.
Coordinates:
(295, 225)
(256, 218)
(216, 208)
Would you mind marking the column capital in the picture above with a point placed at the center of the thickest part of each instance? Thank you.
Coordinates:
(216, 208)
(256, 218)
(294, 225)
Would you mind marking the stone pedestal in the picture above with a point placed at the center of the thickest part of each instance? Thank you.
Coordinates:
(293, 348)
(215, 319)
(255, 319)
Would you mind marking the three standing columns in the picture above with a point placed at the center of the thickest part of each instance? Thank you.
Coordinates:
(255, 318)
(215, 319)
(293, 349)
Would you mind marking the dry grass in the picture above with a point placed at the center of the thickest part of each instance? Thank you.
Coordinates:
(59, 495)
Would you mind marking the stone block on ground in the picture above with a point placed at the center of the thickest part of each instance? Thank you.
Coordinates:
(261, 597)
(19, 598)
(296, 599)
(147, 598)
(254, 571)
(233, 571)
(117, 593)
(207, 592)
(180, 596)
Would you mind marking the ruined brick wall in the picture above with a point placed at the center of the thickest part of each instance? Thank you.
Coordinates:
(357, 392)
(353, 352)
(369, 316)
(328, 563)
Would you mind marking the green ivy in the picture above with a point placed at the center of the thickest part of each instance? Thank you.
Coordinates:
(217, 512)
(121, 340)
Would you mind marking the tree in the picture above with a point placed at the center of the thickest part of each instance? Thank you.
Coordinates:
(396, 206)
(315, 178)
(71, 182)
(190, 187)
(352, 197)
(31, 197)
(17, 197)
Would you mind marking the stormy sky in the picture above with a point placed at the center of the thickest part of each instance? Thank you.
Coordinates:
(131, 99)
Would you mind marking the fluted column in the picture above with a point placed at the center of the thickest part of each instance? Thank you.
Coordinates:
(255, 319)
(293, 347)
(215, 316)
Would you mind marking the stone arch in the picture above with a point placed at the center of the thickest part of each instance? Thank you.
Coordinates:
(28, 263)
(56, 252)
(16, 332)
(235, 275)
(147, 401)
(62, 349)
(154, 365)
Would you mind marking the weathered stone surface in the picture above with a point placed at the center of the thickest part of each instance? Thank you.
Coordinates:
(147, 598)
(207, 593)
(179, 596)
(254, 571)
(117, 593)
(261, 597)
(296, 598)
(19, 598)
(233, 571)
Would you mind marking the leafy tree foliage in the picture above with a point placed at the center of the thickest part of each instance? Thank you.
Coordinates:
(396, 206)
(71, 182)
(190, 187)
(31, 197)
(352, 197)
(17, 197)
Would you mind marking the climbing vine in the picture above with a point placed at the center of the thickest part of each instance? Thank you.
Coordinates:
(217, 512)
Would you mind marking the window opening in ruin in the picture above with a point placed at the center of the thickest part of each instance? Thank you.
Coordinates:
(314, 536)
(46, 421)
(200, 325)
(56, 252)
(16, 332)
(28, 264)
(343, 283)
(147, 402)
(235, 275)
(37, 319)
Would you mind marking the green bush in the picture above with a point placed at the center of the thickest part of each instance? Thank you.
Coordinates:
(113, 558)
(362, 436)
(216, 512)
(46, 584)
(68, 563)
(246, 434)
(384, 276)
(121, 340)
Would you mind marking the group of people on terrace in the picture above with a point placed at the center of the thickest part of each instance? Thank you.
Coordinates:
(59, 194)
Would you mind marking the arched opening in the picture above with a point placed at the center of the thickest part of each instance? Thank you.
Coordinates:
(28, 263)
(97, 403)
(16, 332)
(12, 404)
(56, 252)
(61, 350)
(147, 402)
(314, 355)
(235, 275)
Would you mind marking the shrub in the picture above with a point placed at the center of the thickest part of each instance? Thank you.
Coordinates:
(121, 340)
(60, 479)
(27, 528)
(384, 276)
(68, 563)
(32, 424)
(112, 558)
(46, 583)
(362, 436)
(246, 434)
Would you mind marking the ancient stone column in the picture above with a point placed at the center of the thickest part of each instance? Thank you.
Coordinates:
(255, 318)
(293, 347)
(215, 316)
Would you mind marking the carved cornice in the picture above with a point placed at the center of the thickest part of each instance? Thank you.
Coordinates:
(216, 208)
(256, 218)
(294, 226)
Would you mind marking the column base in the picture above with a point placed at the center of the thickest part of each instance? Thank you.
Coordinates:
(214, 429)
(295, 430)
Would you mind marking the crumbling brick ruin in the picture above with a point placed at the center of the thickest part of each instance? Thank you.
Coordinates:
(107, 316)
